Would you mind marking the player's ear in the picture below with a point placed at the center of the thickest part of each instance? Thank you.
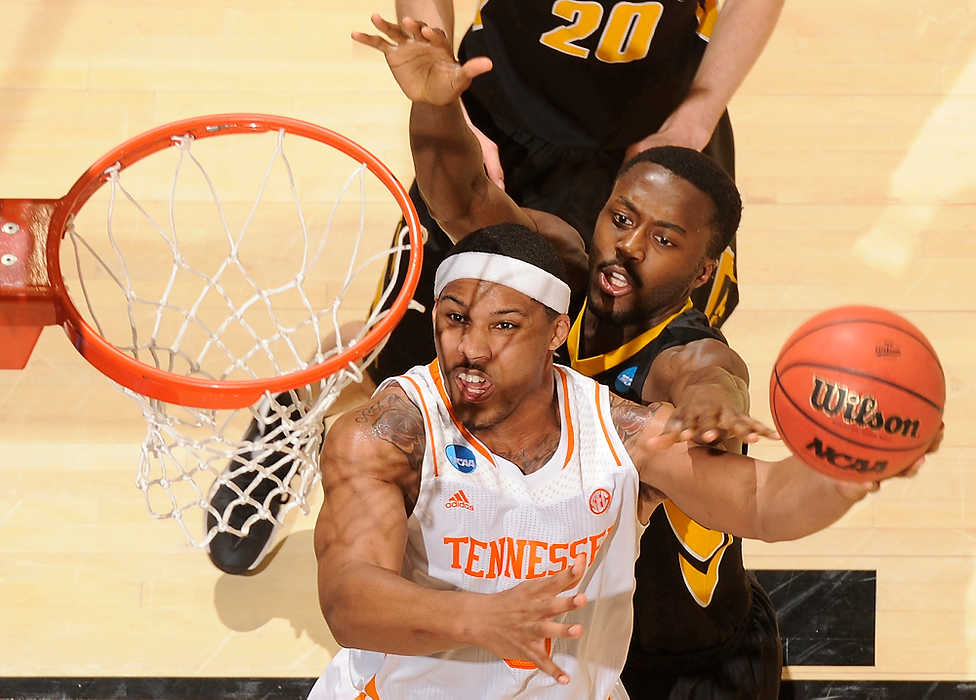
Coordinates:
(560, 331)
(705, 273)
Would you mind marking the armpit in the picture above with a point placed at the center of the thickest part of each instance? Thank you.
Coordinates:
(648, 498)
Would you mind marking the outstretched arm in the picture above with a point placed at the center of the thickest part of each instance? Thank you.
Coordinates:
(708, 383)
(747, 497)
(447, 157)
(438, 14)
(371, 470)
(740, 33)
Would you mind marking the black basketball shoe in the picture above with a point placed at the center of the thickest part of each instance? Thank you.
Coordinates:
(240, 555)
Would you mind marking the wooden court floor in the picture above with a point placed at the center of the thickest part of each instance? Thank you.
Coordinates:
(856, 137)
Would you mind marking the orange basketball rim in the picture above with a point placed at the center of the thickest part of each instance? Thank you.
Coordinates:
(33, 294)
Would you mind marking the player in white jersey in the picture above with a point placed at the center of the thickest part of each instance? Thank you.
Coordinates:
(480, 526)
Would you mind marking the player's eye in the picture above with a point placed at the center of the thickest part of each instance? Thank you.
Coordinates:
(663, 240)
(620, 221)
(506, 325)
(455, 317)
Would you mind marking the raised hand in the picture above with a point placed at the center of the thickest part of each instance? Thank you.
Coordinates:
(422, 60)
(516, 624)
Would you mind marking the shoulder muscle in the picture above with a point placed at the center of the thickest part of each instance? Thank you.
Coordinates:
(384, 439)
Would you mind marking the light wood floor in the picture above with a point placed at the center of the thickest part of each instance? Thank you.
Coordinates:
(855, 135)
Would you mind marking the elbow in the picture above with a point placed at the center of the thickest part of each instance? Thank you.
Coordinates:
(781, 528)
(338, 620)
(767, 527)
(455, 213)
(772, 536)
(336, 606)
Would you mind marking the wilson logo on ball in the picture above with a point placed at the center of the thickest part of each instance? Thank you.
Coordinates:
(835, 399)
(844, 461)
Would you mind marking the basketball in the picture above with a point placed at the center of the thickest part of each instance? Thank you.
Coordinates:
(857, 393)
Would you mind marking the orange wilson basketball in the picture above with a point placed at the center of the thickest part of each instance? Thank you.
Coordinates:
(857, 393)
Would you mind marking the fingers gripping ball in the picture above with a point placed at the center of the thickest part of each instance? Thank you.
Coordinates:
(857, 392)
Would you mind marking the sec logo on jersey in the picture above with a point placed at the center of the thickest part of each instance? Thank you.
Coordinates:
(461, 458)
(599, 501)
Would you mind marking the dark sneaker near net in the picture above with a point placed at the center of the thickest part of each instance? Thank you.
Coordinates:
(232, 553)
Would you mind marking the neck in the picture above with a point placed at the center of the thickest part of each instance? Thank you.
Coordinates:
(530, 435)
(603, 335)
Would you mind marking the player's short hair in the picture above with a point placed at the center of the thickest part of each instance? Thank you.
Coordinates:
(513, 241)
(709, 177)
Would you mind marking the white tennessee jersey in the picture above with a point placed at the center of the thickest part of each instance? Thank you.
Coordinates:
(481, 525)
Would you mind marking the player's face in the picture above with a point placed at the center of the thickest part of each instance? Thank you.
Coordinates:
(495, 348)
(649, 246)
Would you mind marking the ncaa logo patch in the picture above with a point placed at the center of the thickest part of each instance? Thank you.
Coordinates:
(599, 501)
(624, 380)
(461, 458)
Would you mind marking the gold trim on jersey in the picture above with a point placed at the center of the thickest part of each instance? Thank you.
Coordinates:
(478, 23)
(707, 13)
(722, 283)
(592, 366)
(706, 546)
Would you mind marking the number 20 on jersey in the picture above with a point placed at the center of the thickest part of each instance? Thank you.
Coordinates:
(626, 34)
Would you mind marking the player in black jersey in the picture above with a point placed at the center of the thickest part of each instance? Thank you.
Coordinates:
(577, 87)
(703, 626)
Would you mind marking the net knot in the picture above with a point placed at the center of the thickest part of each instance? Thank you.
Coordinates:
(112, 172)
(183, 142)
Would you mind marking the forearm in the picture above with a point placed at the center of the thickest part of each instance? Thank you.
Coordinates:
(749, 497)
(726, 388)
(369, 607)
(740, 34)
(794, 500)
(437, 13)
(450, 172)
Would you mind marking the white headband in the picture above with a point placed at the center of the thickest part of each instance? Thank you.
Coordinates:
(521, 276)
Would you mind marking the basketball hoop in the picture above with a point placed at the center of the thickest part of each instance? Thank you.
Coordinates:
(199, 304)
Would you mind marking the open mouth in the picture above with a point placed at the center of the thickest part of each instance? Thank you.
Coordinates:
(473, 385)
(614, 281)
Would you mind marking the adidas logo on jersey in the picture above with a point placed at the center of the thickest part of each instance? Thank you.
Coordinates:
(459, 500)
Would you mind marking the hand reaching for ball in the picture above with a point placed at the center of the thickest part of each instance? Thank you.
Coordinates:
(856, 490)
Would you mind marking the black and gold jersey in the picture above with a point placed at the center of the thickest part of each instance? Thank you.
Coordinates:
(692, 594)
(587, 73)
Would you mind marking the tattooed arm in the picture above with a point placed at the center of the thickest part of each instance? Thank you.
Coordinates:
(371, 465)
(744, 496)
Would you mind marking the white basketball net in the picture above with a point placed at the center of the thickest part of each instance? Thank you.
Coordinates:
(207, 312)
